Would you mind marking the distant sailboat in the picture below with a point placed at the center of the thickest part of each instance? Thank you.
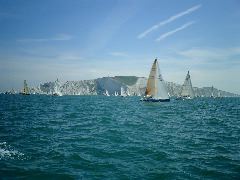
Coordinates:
(156, 89)
(25, 90)
(212, 96)
(57, 92)
(128, 93)
(106, 93)
(187, 89)
(115, 93)
(123, 94)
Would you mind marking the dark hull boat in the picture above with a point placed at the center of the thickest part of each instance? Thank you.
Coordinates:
(154, 100)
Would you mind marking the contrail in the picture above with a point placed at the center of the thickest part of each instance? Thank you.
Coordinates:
(163, 36)
(171, 19)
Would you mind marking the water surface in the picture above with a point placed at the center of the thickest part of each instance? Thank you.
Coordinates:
(98, 137)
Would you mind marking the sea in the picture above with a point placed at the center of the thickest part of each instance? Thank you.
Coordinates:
(100, 137)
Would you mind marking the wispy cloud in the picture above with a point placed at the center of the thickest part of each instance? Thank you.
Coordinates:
(51, 53)
(170, 19)
(69, 56)
(211, 53)
(163, 36)
(58, 37)
(119, 54)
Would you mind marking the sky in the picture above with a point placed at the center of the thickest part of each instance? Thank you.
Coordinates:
(41, 41)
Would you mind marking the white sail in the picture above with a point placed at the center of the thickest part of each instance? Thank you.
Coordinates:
(212, 92)
(128, 93)
(156, 87)
(25, 90)
(57, 91)
(187, 89)
(107, 94)
(123, 94)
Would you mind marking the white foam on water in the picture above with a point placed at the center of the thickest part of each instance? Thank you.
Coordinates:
(7, 152)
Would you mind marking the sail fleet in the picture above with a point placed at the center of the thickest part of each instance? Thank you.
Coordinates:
(156, 89)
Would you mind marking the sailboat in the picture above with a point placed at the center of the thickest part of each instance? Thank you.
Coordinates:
(123, 94)
(106, 93)
(128, 93)
(115, 93)
(212, 96)
(57, 91)
(187, 89)
(156, 89)
(25, 90)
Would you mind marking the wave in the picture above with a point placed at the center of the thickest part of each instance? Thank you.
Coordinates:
(8, 152)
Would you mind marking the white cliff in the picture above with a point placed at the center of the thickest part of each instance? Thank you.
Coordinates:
(135, 86)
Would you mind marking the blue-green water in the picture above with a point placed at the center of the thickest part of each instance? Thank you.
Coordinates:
(97, 137)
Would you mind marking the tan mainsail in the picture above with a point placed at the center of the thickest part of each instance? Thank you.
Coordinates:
(156, 87)
(151, 84)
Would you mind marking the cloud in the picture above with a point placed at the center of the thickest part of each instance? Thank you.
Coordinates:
(119, 54)
(58, 37)
(62, 37)
(169, 20)
(49, 53)
(163, 36)
(69, 56)
(210, 53)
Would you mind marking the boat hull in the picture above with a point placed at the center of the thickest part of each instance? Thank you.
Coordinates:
(24, 94)
(155, 100)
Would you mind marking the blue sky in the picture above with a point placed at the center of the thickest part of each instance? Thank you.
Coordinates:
(84, 39)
